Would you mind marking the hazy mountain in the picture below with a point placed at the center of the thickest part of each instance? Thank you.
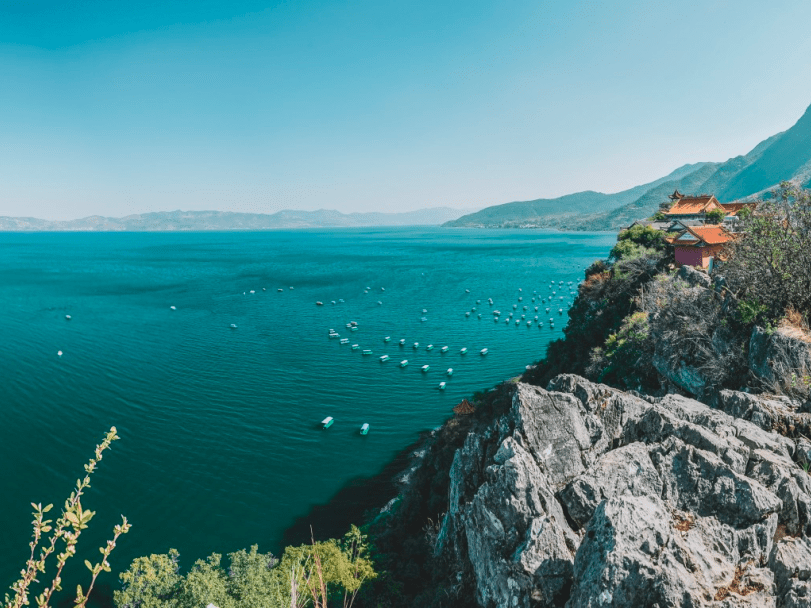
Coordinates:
(781, 157)
(568, 207)
(226, 220)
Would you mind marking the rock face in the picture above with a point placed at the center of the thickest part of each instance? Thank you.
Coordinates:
(782, 360)
(584, 496)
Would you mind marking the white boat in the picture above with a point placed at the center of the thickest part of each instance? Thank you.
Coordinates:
(450, 371)
(423, 319)
(402, 342)
(348, 325)
(332, 335)
(341, 300)
(68, 316)
(520, 299)
(467, 314)
(416, 345)
(515, 306)
(280, 290)
(560, 311)
(344, 340)
(170, 308)
(355, 346)
(529, 323)
(333, 301)
(525, 307)
(367, 352)
(442, 386)
(353, 328)
(519, 289)
(444, 349)
(483, 351)
(319, 303)
(479, 315)
(263, 289)
(518, 321)
(467, 291)
(424, 311)
(404, 363)
(59, 353)
(463, 351)
(233, 325)
(387, 339)
(384, 358)
(364, 429)
(425, 368)
(252, 291)
(478, 301)
(353, 323)
(292, 288)
(382, 289)
(429, 347)
(497, 312)
(327, 422)
(379, 303)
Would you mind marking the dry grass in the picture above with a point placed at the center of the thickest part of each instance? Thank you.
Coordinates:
(683, 522)
(794, 326)
(740, 585)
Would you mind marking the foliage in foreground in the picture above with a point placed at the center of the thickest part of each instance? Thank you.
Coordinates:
(64, 534)
(310, 575)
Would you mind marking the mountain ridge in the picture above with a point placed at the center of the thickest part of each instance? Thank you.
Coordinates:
(785, 156)
(230, 220)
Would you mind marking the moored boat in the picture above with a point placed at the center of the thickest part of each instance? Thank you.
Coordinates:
(364, 429)
(444, 349)
(367, 352)
(450, 371)
(327, 422)
(442, 386)
(463, 351)
(425, 368)
(483, 351)
(404, 363)
(384, 358)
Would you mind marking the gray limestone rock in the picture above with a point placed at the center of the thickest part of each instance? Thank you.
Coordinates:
(693, 277)
(782, 360)
(700, 482)
(791, 563)
(626, 470)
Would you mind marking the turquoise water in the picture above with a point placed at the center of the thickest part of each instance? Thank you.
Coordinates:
(220, 444)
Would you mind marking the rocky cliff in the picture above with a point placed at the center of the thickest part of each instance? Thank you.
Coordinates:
(581, 495)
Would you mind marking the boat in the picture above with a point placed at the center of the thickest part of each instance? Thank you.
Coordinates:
(497, 312)
(518, 321)
(292, 288)
(416, 345)
(233, 325)
(483, 351)
(263, 289)
(252, 291)
(364, 429)
(424, 311)
(341, 300)
(467, 291)
(444, 349)
(423, 319)
(334, 302)
(353, 328)
(384, 358)
(525, 307)
(331, 335)
(355, 346)
(467, 314)
(348, 325)
(382, 289)
(59, 353)
(344, 340)
(319, 303)
(404, 363)
(560, 311)
(327, 422)
(519, 289)
(442, 386)
(520, 299)
(387, 339)
(463, 351)
(368, 288)
(473, 309)
(478, 301)
(529, 323)
(402, 342)
(515, 306)
(479, 315)
(280, 290)
(450, 371)
(367, 352)
(429, 347)
(170, 308)
(379, 303)
(355, 323)
(425, 368)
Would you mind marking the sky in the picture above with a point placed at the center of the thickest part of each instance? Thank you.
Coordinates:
(113, 108)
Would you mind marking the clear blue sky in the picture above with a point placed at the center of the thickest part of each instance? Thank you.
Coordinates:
(124, 107)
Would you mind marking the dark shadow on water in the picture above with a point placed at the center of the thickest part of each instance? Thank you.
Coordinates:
(355, 503)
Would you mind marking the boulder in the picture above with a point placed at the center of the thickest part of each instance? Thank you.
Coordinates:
(626, 470)
(791, 563)
(769, 412)
(693, 277)
(782, 360)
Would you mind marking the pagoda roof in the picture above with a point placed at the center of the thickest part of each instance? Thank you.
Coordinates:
(464, 408)
(692, 205)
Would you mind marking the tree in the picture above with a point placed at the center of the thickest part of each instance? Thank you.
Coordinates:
(716, 216)
(769, 267)
(64, 533)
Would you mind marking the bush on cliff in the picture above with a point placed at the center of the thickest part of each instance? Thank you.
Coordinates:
(769, 268)
(308, 575)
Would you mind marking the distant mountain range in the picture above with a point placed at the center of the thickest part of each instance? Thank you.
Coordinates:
(226, 220)
(781, 157)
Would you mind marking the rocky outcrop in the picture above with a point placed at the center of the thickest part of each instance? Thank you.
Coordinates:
(585, 496)
(782, 360)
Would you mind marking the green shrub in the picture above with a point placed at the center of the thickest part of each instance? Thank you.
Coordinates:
(716, 216)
